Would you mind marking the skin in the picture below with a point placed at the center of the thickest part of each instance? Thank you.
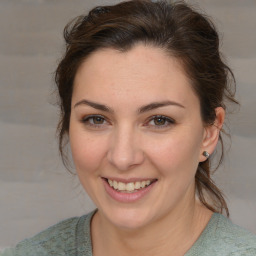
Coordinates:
(126, 144)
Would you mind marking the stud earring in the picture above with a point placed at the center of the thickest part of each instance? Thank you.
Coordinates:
(206, 154)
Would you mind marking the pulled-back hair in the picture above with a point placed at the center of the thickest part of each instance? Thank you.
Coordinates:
(182, 33)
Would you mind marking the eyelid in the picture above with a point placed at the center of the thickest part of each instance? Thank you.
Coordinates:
(85, 120)
(170, 121)
(91, 116)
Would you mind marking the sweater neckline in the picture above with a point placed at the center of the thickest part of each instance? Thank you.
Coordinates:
(84, 242)
(207, 232)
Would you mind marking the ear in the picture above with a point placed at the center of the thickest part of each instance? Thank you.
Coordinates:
(211, 134)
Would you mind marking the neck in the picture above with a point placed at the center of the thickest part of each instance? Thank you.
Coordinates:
(173, 234)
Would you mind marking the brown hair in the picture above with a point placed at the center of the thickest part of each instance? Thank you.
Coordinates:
(181, 32)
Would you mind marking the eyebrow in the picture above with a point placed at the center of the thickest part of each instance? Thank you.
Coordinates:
(143, 109)
(94, 105)
(155, 105)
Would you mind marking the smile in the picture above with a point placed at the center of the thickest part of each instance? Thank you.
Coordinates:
(130, 187)
(128, 191)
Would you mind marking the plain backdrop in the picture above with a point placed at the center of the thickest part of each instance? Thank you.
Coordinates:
(35, 189)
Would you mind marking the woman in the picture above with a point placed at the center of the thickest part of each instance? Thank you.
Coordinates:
(143, 92)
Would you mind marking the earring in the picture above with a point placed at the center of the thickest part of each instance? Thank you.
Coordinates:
(206, 154)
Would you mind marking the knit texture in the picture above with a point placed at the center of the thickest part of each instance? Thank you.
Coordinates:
(71, 237)
(223, 238)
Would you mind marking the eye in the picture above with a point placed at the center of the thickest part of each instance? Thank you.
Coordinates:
(160, 121)
(96, 121)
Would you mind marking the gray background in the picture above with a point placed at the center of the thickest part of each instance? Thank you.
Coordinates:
(35, 189)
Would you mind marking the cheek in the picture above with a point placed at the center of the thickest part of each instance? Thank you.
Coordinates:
(87, 151)
(175, 153)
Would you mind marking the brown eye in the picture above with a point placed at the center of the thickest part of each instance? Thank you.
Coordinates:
(159, 121)
(98, 120)
(94, 121)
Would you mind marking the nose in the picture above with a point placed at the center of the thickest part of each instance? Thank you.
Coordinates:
(125, 150)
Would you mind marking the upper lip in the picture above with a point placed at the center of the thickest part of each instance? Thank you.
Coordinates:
(128, 180)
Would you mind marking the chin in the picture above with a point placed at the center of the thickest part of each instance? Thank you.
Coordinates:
(129, 218)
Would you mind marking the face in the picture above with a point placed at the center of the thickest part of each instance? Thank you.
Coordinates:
(136, 134)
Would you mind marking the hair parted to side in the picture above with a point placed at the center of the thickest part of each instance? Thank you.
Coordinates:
(182, 33)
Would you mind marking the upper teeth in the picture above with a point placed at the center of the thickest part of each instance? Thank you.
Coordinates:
(131, 186)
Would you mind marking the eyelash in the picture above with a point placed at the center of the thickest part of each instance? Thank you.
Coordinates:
(86, 121)
(169, 121)
(166, 119)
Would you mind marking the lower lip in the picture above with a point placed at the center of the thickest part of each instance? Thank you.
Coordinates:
(127, 197)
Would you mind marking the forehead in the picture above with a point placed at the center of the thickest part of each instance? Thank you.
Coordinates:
(144, 73)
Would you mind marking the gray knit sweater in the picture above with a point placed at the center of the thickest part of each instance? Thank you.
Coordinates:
(71, 237)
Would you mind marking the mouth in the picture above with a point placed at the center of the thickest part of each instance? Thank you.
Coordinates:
(129, 187)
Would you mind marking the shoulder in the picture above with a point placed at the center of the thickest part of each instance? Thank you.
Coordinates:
(56, 237)
(234, 236)
(222, 237)
(59, 239)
